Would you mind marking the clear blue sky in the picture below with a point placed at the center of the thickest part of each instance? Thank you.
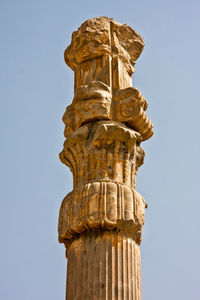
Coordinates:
(36, 86)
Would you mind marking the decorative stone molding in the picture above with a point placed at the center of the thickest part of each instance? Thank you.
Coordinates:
(104, 37)
(101, 205)
(103, 150)
(96, 102)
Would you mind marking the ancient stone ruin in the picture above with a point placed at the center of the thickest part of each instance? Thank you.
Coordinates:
(101, 220)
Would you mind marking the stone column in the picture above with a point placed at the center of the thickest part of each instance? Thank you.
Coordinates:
(101, 220)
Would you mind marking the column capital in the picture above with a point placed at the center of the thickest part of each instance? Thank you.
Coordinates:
(103, 36)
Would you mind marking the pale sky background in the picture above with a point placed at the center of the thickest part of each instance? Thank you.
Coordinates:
(36, 86)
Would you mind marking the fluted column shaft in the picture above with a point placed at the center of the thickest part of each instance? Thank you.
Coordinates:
(104, 265)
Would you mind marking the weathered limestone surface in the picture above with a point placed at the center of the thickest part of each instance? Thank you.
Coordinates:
(101, 220)
(104, 265)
